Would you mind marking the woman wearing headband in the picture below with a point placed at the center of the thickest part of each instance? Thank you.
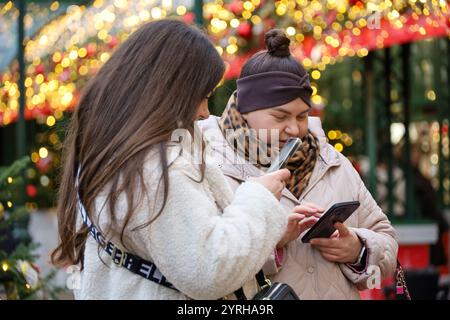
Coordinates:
(273, 95)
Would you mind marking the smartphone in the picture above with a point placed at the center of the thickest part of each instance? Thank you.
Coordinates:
(324, 227)
(288, 150)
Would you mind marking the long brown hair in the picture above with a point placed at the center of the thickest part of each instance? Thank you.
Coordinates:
(152, 85)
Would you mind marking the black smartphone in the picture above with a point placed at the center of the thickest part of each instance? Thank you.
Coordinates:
(288, 150)
(324, 227)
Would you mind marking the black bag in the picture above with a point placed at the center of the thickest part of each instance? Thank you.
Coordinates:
(273, 291)
(276, 291)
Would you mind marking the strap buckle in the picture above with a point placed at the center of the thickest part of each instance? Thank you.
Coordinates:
(122, 256)
(268, 283)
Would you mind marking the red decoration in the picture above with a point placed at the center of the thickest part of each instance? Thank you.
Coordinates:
(113, 42)
(44, 164)
(236, 6)
(31, 191)
(39, 69)
(91, 49)
(359, 4)
(245, 30)
(188, 17)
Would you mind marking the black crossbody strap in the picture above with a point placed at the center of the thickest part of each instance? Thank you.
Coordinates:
(131, 262)
(261, 278)
(262, 283)
(240, 295)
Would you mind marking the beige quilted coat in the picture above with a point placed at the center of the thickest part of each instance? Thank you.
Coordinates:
(333, 180)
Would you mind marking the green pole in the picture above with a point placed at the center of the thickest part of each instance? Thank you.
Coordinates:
(409, 203)
(447, 171)
(388, 143)
(198, 10)
(438, 83)
(370, 118)
(20, 133)
(448, 110)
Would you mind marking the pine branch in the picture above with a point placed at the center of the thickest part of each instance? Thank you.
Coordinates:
(13, 170)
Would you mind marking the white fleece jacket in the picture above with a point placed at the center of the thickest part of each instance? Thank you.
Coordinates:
(207, 242)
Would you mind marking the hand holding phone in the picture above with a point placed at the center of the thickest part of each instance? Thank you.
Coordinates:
(274, 181)
(288, 150)
(324, 227)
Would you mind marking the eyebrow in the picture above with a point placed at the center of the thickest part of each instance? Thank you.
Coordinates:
(287, 112)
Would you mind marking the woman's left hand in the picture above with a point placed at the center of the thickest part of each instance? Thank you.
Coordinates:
(343, 246)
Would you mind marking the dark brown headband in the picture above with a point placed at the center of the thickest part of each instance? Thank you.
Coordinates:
(271, 89)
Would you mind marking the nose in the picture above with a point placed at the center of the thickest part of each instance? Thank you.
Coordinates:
(292, 129)
(203, 112)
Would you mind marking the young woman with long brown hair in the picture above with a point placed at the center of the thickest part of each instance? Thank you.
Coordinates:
(162, 226)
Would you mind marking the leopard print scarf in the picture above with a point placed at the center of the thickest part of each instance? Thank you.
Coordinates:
(301, 164)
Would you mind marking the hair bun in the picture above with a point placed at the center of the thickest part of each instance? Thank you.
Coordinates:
(277, 43)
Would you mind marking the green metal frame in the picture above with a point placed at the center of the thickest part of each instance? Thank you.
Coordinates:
(198, 10)
(20, 133)
(388, 139)
(389, 71)
(444, 162)
(370, 122)
(406, 93)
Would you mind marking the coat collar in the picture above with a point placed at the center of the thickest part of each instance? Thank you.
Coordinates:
(234, 166)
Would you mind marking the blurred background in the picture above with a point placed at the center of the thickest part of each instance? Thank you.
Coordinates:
(380, 72)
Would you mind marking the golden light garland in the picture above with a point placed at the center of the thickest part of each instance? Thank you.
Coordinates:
(237, 25)
(70, 49)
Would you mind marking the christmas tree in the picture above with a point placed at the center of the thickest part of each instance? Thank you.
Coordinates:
(19, 275)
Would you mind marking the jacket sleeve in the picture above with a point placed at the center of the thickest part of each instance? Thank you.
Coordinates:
(376, 232)
(270, 267)
(205, 253)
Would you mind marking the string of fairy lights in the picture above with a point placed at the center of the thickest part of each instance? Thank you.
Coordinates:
(323, 32)
(70, 49)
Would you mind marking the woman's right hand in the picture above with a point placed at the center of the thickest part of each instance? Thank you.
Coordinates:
(275, 182)
(302, 218)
